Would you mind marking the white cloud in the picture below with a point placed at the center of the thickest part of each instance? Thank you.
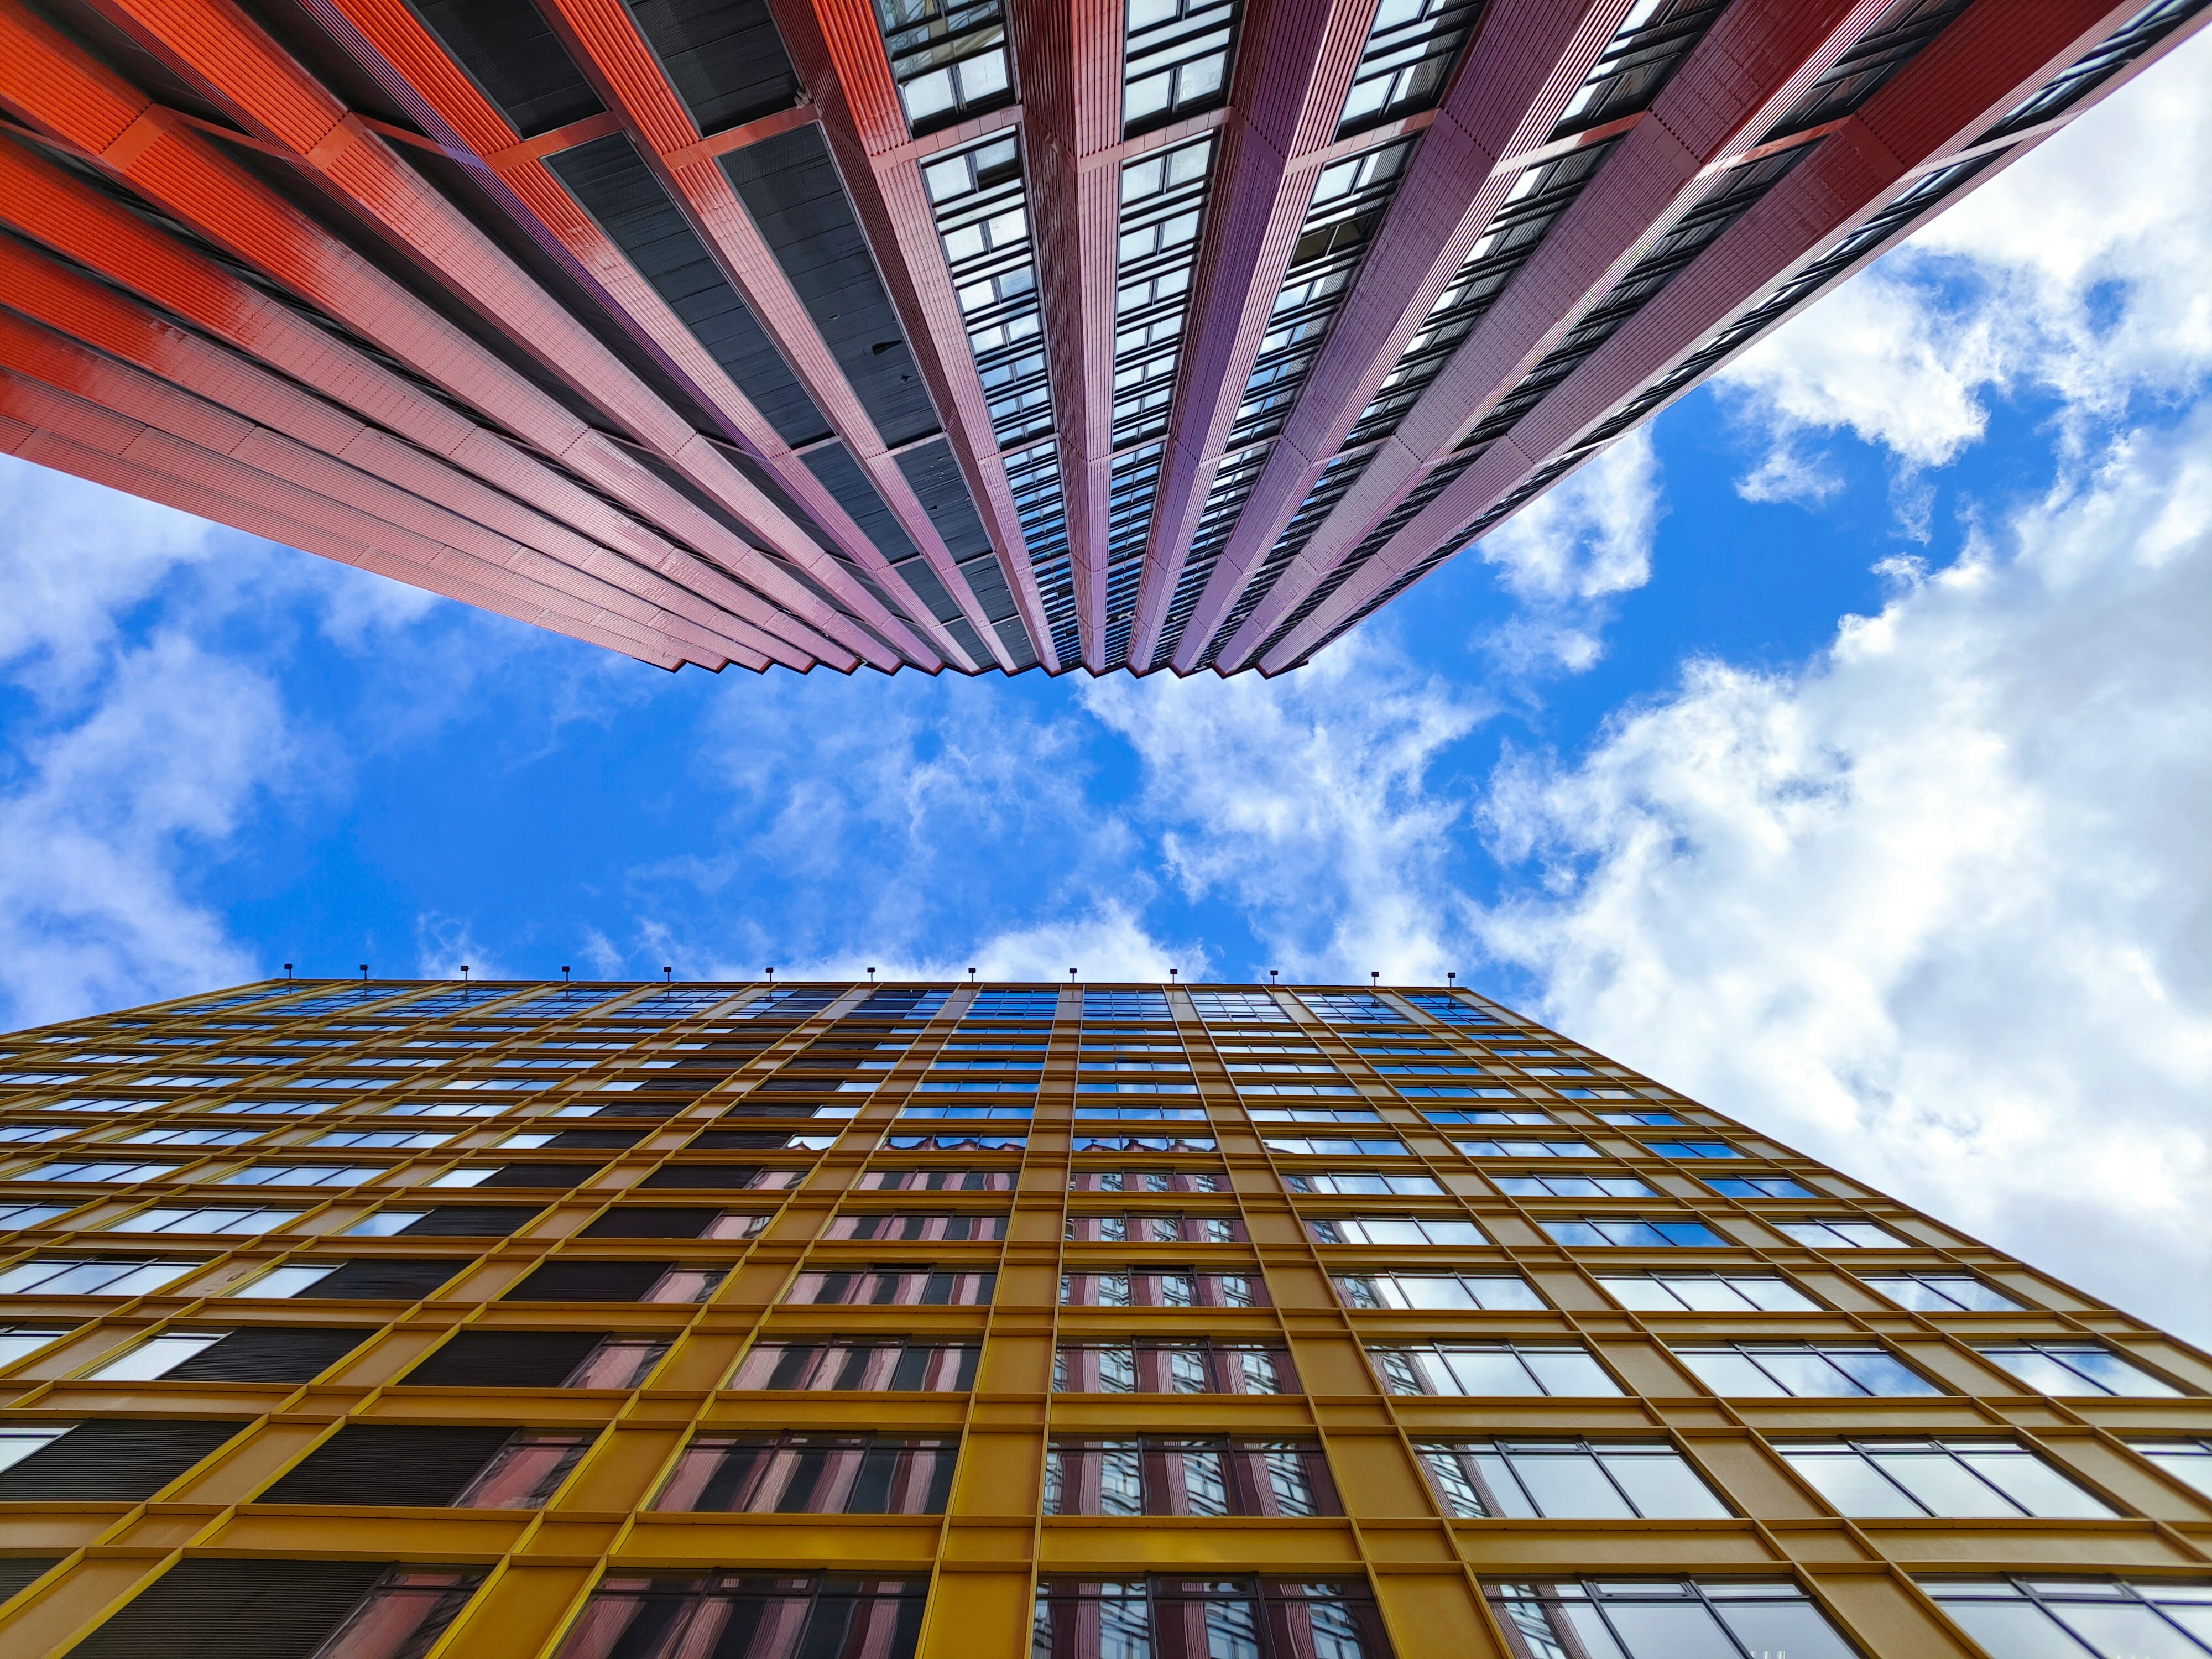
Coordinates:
(2076, 273)
(1571, 549)
(1934, 907)
(1305, 802)
(105, 820)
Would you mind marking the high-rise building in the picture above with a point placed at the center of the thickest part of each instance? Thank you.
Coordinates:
(979, 334)
(383, 1321)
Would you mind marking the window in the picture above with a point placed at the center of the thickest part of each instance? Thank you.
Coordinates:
(19, 1133)
(174, 1136)
(938, 1109)
(1314, 1146)
(1410, 51)
(2080, 1618)
(538, 1359)
(357, 1609)
(1706, 1293)
(1941, 1293)
(155, 1357)
(1360, 1183)
(893, 1287)
(1175, 1142)
(19, 1440)
(943, 1225)
(1489, 1368)
(1691, 1149)
(1266, 1618)
(1939, 1477)
(1155, 1229)
(1759, 1186)
(301, 1174)
(20, 1341)
(1161, 1288)
(669, 1221)
(1176, 61)
(1794, 1370)
(936, 1181)
(581, 1280)
(1648, 1234)
(1245, 1005)
(105, 1276)
(1311, 1113)
(1519, 1148)
(1840, 1233)
(1639, 1120)
(380, 1139)
(1489, 1118)
(1567, 1480)
(895, 1365)
(1139, 1114)
(1198, 1367)
(399, 1279)
(1572, 1185)
(796, 1474)
(1163, 1474)
(204, 1220)
(114, 1460)
(1456, 1293)
(433, 1466)
(447, 1220)
(1146, 1181)
(1665, 1619)
(14, 1217)
(956, 1141)
(98, 1170)
(786, 1616)
(1394, 1229)
(2187, 1461)
(2076, 1368)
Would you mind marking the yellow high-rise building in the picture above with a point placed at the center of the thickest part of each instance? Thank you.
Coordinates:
(845, 1322)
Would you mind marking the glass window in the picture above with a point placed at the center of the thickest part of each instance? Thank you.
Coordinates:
(1164, 1287)
(106, 1276)
(941, 1225)
(1317, 1146)
(1572, 1186)
(284, 1282)
(2076, 1368)
(1168, 1367)
(1941, 1293)
(1489, 1368)
(1395, 1230)
(1651, 1235)
(1796, 1369)
(1448, 1291)
(1965, 1478)
(777, 1616)
(1706, 1293)
(155, 1357)
(1567, 1480)
(18, 1440)
(1360, 1183)
(2080, 1618)
(1691, 1149)
(20, 1341)
(1758, 1186)
(1410, 49)
(917, 1286)
(801, 1474)
(1519, 1148)
(1670, 1618)
(1840, 1234)
(14, 1217)
(842, 1365)
(1156, 1475)
(2187, 1461)
(1222, 1618)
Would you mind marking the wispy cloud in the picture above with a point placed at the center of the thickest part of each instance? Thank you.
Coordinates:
(2078, 275)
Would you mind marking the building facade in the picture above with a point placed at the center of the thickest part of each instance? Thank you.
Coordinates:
(967, 334)
(842, 1322)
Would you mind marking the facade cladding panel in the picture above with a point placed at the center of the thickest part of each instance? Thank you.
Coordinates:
(759, 194)
(1087, 1322)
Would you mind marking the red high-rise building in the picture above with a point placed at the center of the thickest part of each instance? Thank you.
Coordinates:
(970, 333)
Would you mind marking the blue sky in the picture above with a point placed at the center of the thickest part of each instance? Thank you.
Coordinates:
(1836, 751)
